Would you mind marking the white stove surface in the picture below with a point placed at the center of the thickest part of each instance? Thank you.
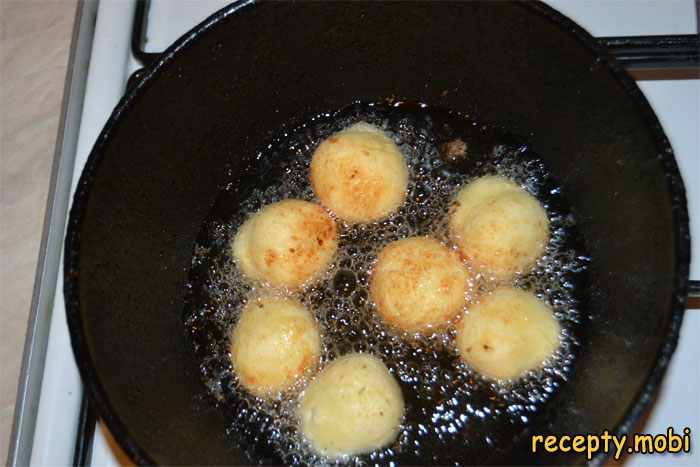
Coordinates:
(677, 103)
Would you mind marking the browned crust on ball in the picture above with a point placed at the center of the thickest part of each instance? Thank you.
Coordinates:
(418, 284)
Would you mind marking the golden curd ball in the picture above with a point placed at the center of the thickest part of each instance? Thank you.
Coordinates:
(274, 343)
(353, 406)
(418, 284)
(499, 228)
(507, 333)
(286, 244)
(359, 174)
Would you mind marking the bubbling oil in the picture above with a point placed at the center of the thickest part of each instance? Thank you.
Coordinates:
(452, 414)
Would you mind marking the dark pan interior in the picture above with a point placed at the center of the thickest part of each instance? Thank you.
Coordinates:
(211, 105)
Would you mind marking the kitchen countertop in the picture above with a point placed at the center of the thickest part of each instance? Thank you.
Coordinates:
(35, 40)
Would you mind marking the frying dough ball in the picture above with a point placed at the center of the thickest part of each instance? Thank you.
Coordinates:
(418, 284)
(274, 343)
(500, 228)
(287, 244)
(359, 174)
(508, 333)
(353, 406)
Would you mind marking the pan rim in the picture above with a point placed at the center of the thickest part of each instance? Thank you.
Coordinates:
(675, 187)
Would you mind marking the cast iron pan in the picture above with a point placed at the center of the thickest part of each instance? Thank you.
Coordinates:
(226, 89)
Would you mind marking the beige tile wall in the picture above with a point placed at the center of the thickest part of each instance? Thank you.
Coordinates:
(34, 44)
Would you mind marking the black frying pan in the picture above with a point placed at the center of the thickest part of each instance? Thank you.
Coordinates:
(222, 92)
